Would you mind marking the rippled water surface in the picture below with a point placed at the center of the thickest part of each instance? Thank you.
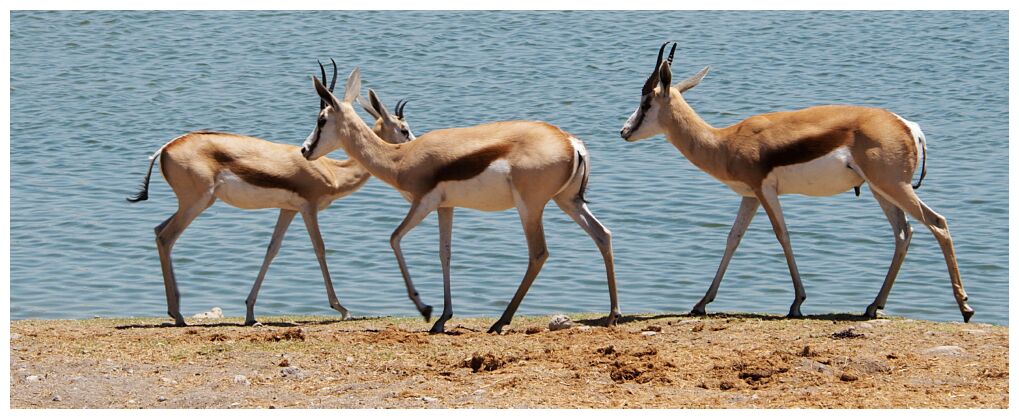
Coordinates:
(93, 94)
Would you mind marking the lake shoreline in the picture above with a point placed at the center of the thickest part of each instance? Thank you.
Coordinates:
(657, 360)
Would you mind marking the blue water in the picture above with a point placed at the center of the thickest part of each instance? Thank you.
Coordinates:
(93, 94)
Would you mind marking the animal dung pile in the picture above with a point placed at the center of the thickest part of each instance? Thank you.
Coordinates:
(295, 334)
(641, 366)
(486, 362)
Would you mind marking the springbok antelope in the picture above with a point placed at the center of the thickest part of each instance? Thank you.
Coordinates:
(251, 173)
(490, 167)
(818, 151)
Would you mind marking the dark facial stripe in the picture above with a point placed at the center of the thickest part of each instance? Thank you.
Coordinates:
(470, 165)
(645, 104)
(318, 134)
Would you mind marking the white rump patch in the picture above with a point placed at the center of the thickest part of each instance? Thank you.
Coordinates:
(914, 130)
(824, 176)
(235, 191)
(578, 147)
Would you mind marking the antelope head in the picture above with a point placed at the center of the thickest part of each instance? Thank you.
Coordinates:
(387, 125)
(646, 121)
(329, 128)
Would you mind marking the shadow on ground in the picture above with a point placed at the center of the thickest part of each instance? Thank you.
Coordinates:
(601, 321)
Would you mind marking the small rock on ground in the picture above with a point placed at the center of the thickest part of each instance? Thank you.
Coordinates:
(292, 372)
(811, 365)
(215, 313)
(560, 322)
(56, 397)
(947, 350)
(241, 379)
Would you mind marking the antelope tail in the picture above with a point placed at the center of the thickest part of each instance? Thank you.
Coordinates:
(923, 149)
(143, 194)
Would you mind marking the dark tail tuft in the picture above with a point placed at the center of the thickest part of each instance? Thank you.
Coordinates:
(143, 194)
(923, 170)
(583, 182)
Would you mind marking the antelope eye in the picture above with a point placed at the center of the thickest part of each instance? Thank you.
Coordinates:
(321, 121)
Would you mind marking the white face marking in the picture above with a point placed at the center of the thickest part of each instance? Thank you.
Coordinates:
(648, 127)
(824, 176)
(235, 191)
(327, 139)
(490, 190)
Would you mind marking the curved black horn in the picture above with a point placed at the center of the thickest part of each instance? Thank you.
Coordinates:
(649, 85)
(399, 108)
(322, 103)
(672, 53)
(333, 83)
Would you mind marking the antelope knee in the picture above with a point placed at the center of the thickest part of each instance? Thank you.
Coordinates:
(540, 257)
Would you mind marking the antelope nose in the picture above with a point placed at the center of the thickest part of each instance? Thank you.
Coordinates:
(625, 132)
(304, 151)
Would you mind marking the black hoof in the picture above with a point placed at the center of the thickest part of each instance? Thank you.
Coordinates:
(496, 328)
(966, 315)
(427, 313)
(613, 318)
(698, 312)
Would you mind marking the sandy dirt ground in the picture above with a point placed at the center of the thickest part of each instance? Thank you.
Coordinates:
(655, 360)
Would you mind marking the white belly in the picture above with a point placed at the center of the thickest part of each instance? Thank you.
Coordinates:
(234, 191)
(824, 176)
(491, 190)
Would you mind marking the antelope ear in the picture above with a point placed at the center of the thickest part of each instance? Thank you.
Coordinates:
(377, 104)
(664, 78)
(692, 81)
(369, 108)
(353, 88)
(324, 93)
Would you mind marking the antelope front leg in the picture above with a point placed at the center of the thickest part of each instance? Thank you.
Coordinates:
(445, 254)
(769, 198)
(417, 212)
(282, 223)
(310, 216)
(747, 210)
